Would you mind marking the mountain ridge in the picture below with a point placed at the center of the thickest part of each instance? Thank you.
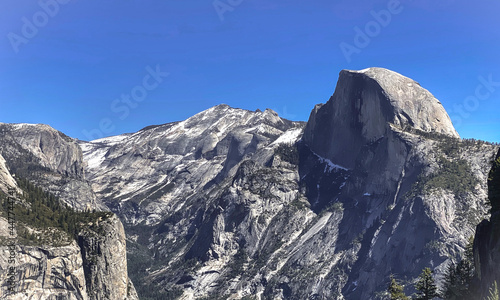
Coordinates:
(267, 206)
(237, 203)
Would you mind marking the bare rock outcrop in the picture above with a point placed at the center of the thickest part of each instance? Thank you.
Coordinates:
(50, 159)
(92, 266)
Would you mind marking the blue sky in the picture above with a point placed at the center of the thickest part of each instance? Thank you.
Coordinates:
(67, 63)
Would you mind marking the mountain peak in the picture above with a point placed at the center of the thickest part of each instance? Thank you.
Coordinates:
(411, 104)
(369, 105)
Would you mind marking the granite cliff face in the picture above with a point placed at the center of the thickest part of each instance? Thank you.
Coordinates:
(45, 272)
(92, 267)
(50, 159)
(6, 180)
(406, 168)
(487, 237)
(238, 203)
(104, 254)
(366, 107)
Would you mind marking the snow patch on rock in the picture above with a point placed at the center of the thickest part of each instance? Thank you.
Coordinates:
(289, 137)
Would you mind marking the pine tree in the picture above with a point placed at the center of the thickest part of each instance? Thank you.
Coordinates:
(458, 278)
(493, 295)
(426, 286)
(396, 290)
(451, 289)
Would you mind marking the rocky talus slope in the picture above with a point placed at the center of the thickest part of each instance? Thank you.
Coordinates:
(233, 203)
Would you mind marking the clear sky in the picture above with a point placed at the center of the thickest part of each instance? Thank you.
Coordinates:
(89, 67)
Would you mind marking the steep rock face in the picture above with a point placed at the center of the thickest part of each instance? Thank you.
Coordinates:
(351, 236)
(105, 260)
(487, 237)
(494, 185)
(42, 272)
(365, 107)
(95, 269)
(391, 134)
(6, 180)
(50, 159)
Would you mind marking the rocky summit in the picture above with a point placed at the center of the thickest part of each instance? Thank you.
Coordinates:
(368, 106)
(238, 204)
